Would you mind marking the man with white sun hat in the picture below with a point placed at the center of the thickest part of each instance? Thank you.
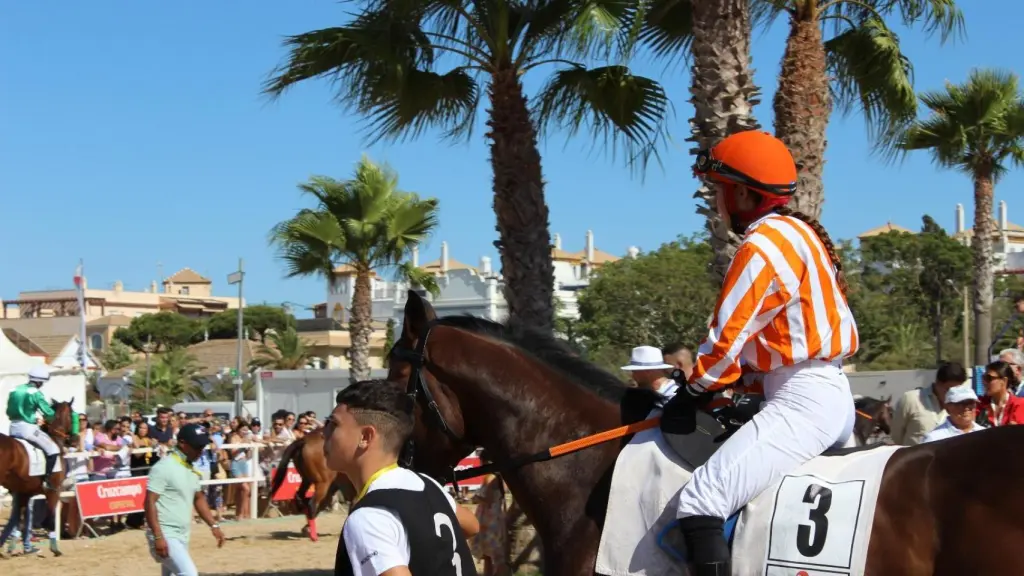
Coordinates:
(648, 369)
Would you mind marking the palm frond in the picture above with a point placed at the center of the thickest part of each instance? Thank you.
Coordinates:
(869, 69)
(419, 277)
(668, 28)
(975, 127)
(615, 104)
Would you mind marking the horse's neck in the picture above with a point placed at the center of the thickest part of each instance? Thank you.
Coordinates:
(533, 412)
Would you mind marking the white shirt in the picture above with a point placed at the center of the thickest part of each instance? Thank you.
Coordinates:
(948, 430)
(375, 538)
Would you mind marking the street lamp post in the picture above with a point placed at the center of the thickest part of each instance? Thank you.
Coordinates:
(147, 348)
(237, 277)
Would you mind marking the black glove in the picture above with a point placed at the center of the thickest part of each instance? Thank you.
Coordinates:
(679, 416)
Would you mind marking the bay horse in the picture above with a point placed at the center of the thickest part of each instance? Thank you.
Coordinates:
(515, 391)
(874, 416)
(14, 466)
(307, 454)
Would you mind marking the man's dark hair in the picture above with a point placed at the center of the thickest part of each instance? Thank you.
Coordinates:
(673, 348)
(951, 372)
(384, 406)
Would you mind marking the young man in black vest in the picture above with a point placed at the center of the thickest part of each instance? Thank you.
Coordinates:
(402, 523)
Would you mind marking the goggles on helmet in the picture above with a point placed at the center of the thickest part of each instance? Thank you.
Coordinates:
(706, 163)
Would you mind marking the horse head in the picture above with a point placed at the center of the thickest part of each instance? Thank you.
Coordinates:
(61, 425)
(438, 443)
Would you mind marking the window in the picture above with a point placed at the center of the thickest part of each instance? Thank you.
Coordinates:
(96, 342)
(183, 290)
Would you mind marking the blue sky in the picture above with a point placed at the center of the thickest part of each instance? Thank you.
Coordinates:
(133, 134)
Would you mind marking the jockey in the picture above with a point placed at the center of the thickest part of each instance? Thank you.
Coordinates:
(783, 312)
(22, 405)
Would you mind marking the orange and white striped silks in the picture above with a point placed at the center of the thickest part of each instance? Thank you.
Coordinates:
(780, 305)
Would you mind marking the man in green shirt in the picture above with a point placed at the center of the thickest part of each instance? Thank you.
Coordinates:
(172, 492)
(23, 405)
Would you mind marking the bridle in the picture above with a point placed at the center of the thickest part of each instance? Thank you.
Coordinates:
(416, 390)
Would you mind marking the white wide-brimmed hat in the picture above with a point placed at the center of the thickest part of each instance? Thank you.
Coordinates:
(647, 358)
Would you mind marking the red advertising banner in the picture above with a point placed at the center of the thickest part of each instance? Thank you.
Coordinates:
(470, 462)
(291, 484)
(101, 498)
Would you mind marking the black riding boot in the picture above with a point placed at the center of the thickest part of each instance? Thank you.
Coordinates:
(51, 461)
(706, 547)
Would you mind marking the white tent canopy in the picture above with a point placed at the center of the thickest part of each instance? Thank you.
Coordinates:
(14, 367)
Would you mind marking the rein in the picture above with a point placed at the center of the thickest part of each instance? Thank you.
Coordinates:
(417, 388)
(864, 415)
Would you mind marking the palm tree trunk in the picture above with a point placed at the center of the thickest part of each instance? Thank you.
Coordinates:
(360, 328)
(723, 95)
(981, 244)
(802, 106)
(522, 213)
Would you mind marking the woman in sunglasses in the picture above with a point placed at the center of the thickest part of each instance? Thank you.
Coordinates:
(783, 313)
(1000, 406)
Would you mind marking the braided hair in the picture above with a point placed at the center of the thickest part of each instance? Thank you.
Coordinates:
(826, 240)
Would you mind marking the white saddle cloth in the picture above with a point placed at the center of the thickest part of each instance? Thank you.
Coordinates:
(36, 459)
(816, 520)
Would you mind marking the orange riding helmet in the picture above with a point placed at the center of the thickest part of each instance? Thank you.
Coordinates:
(755, 159)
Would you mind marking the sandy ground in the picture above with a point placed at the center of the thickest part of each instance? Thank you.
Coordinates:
(272, 546)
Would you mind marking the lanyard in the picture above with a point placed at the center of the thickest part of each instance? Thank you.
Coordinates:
(181, 460)
(377, 474)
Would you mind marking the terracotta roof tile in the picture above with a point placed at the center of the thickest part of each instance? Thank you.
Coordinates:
(187, 276)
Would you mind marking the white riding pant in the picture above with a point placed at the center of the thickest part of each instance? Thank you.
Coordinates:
(33, 434)
(809, 409)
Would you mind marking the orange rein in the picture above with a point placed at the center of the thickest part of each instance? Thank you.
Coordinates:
(864, 415)
(602, 437)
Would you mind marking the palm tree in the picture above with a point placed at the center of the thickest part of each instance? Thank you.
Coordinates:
(172, 378)
(860, 65)
(978, 129)
(386, 64)
(366, 223)
(419, 278)
(716, 33)
(286, 351)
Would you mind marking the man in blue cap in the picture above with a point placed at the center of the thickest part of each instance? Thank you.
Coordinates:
(173, 492)
(23, 405)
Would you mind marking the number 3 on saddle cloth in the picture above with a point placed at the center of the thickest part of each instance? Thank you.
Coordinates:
(815, 521)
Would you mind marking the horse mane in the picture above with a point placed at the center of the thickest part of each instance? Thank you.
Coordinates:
(556, 353)
(867, 403)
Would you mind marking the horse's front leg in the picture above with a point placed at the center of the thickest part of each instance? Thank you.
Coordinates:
(52, 498)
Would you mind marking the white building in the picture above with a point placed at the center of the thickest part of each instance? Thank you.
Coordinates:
(1007, 240)
(471, 290)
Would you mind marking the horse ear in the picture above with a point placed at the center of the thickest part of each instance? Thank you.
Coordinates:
(71, 402)
(418, 313)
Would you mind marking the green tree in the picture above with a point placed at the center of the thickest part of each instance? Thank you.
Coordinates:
(257, 320)
(389, 340)
(172, 378)
(923, 271)
(117, 355)
(223, 390)
(285, 351)
(366, 223)
(976, 128)
(387, 65)
(660, 297)
(166, 330)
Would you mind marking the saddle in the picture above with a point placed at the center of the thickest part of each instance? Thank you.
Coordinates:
(713, 428)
